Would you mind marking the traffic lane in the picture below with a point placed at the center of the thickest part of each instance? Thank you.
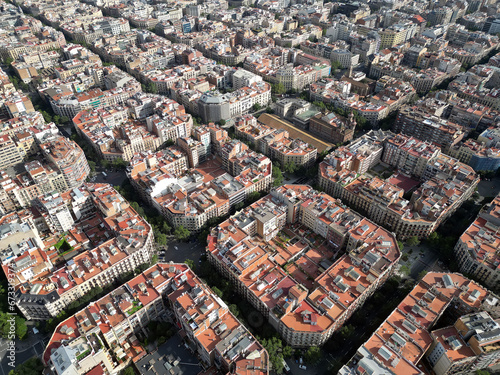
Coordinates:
(489, 188)
(423, 263)
(21, 357)
(113, 178)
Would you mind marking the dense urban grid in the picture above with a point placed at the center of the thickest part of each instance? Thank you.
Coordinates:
(249, 187)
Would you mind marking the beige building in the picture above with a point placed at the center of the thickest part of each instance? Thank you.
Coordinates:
(477, 249)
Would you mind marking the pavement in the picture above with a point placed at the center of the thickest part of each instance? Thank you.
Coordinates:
(188, 365)
(489, 188)
(185, 250)
(113, 178)
(422, 258)
(34, 345)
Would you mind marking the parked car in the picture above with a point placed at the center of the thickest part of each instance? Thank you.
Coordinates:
(286, 367)
(303, 367)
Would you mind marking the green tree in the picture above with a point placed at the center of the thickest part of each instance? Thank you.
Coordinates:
(222, 122)
(165, 228)
(290, 167)
(234, 309)
(336, 65)
(8, 60)
(405, 270)
(128, 371)
(287, 351)
(32, 366)
(274, 346)
(278, 88)
(312, 355)
(482, 372)
(269, 110)
(256, 107)
(401, 245)
(154, 260)
(277, 176)
(360, 120)
(181, 233)
(21, 328)
(413, 241)
(119, 163)
(46, 116)
(253, 196)
(92, 165)
(161, 239)
(434, 239)
(161, 340)
(190, 263)
(137, 208)
(217, 291)
(422, 274)
(151, 88)
(346, 331)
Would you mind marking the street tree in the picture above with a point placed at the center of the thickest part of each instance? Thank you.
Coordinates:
(181, 233)
(277, 176)
(190, 263)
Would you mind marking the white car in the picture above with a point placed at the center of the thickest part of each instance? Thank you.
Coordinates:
(176, 248)
(303, 367)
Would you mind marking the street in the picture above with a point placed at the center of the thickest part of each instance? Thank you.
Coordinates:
(185, 250)
(421, 259)
(489, 188)
(113, 178)
(34, 346)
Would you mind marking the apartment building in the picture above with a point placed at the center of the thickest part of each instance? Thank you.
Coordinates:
(470, 344)
(405, 338)
(10, 153)
(67, 101)
(193, 149)
(214, 106)
(102, 337)
(478, 85)
(68, 158)
(275, 143)
(113, 134)
(343, 175)
(43, 39)
(106, 238)
(261, 248)
(191, 196)
(16, 104)
(414, 122)
(296, 78)
(56, 214)
(408, 154)
(477, 155)
(476, 249)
